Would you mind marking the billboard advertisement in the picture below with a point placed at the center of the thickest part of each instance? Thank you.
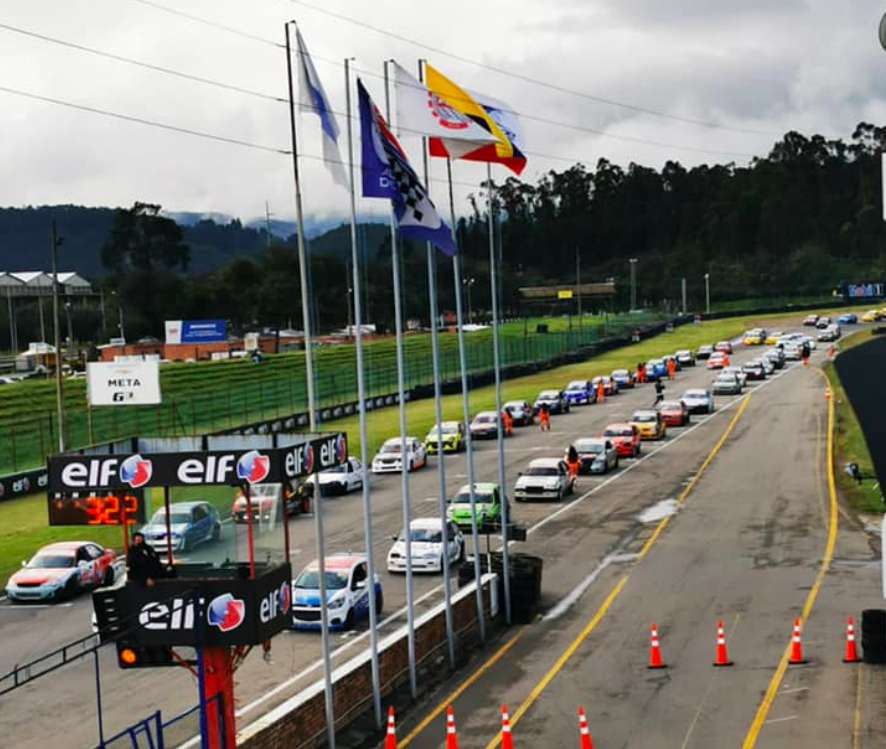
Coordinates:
(131, 383)
(196, 331)
(864, 290)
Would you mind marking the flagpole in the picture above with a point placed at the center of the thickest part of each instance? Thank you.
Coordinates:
(438, 409)
(361, 399)
(466, 409)
(493, 282)
(312, 407)
(401, 397)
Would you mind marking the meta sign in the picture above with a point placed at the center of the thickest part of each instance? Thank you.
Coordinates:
(212, 611)
(103, 472)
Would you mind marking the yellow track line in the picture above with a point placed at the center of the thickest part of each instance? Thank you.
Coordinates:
(452, 697)
(619, 586)
(750, 740)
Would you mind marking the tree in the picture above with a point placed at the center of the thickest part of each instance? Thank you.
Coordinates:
(141, 239)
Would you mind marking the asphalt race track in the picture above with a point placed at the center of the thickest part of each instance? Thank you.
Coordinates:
(745, 546)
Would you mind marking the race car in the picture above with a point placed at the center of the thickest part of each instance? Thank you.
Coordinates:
(724, 347)
(596, 454)
(674, 413)
(62, 570)
(339, 479)
(717, 360)
(704, 351)
(190, 523)
(263, 498)
(426, 546)
(754, 370)
(871, 315)
(656, 369)
(487, 500)
(453, 438)
(545, 478)
(754, 337)
(555, 400)
(698, 401)
(347, 593)
(610, 386)
(624, 378)
(580, 393)
(685, 358)
(739, 374)
(485, 426)
(810, 320)
(773, 336)
(727, 384)
(650, 424)
(823, 322)
(387, 459)
(521, 413)
(625, 437)
(847, 319)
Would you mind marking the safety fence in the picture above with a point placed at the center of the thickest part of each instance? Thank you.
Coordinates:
(154, 732)
(197, 401)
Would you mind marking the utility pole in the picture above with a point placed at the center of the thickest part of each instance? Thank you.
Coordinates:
(351, 331)
(101, 301)
(268, 224)
(683, 289)
(59, 387)
(707, 292)
(633, 262)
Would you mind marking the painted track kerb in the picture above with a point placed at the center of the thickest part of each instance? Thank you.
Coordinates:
(750, 740)
(541, 523)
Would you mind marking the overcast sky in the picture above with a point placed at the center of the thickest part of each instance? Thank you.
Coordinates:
(756, 67)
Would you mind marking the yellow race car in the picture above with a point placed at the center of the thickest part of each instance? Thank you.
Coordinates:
(452, 441)
(754, 337)
(772, 338)
(871, 315)
(650, 424)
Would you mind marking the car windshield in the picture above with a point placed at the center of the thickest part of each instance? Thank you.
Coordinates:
(445, 429)
(578, 385)
(391, 448)
(310, 579)
(643, 418)
(485, 419)
(542, 471)
(692, 394)
(515, 406)
(423, 535)
(336, 469)
(620, 373)
(176, 518)
(589, 446)
(727, 378)
(671, 406)
(683, 353)
(463, 498)
(549, 395)
(625, 432)
(51, 561)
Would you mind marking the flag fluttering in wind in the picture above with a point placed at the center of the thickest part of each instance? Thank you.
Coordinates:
(493, 116)
(423, 112)
(388, 174)
(312, 98)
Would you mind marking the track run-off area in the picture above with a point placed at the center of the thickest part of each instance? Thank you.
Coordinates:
(734, 517)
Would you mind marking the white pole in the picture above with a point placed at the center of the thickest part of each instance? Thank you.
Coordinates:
(707, 292)
(401, 397)
(683, 291)
(312, 410)
(466, 410)
(496, 351)
(438, 412)
(361, 398)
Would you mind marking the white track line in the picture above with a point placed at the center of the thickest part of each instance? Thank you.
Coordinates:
(338, 651)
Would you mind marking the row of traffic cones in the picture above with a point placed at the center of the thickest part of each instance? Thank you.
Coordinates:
(721, 657)
(507, 741)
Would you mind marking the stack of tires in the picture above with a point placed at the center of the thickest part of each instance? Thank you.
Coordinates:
(525, 573)
(873, 635)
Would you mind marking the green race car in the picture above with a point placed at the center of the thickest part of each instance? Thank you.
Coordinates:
(487, 498)
(453, 438)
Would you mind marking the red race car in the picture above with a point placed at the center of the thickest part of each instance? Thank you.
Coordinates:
(674, 413)
(625, 437)
(62, 570)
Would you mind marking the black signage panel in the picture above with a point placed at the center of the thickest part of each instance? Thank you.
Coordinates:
(235, 611)
(78, 473)
(19, 484)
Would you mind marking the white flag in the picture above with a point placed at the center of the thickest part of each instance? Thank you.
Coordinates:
(420, 111)
(312, 98)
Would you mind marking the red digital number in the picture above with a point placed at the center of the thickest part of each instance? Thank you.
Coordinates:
(130, 509)
(111, 511)
(94, 510)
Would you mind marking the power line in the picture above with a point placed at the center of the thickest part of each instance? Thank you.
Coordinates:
(144, 121)
(528, 79)
(140, 63)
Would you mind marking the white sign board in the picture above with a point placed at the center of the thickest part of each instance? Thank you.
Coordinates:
(123, 383)
(250, 342)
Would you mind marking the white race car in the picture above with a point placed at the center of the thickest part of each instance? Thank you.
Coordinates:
(387, 460)
(426, 546)
(347, 593)
(340, 479)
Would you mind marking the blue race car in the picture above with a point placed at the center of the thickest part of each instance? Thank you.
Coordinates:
(656, 369)
(848, 319)
(347, 593)
(580, 393)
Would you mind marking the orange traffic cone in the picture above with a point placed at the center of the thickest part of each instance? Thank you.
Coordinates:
(722, 652)
(507, 742)
(451, 736)
(655, 659)
(797, 645)
(391, 738)
(586, 741)
(851, 650)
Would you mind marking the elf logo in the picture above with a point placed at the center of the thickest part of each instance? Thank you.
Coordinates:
(253, 467)
(136, 471)
(276, 603)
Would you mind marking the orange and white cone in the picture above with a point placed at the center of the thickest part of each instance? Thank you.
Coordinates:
(451, 736)
(584, 732)
(851, 649)
(722, 653)
(507, 741)
(391, 737)
(655, 659)
(797, 645)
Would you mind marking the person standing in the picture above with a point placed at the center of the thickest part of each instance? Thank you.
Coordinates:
(143, 565)
(641, 372)
(507, 422)
(573, 463)
(544, 418)
(805, 352)
(601, 391)
(672, 368)
(659, 392)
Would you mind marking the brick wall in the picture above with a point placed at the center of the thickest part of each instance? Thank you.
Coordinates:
(303, 725)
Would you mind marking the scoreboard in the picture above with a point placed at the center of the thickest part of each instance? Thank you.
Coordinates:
(98, 508)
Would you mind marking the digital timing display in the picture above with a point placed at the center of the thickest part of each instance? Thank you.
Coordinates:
(94, 509)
